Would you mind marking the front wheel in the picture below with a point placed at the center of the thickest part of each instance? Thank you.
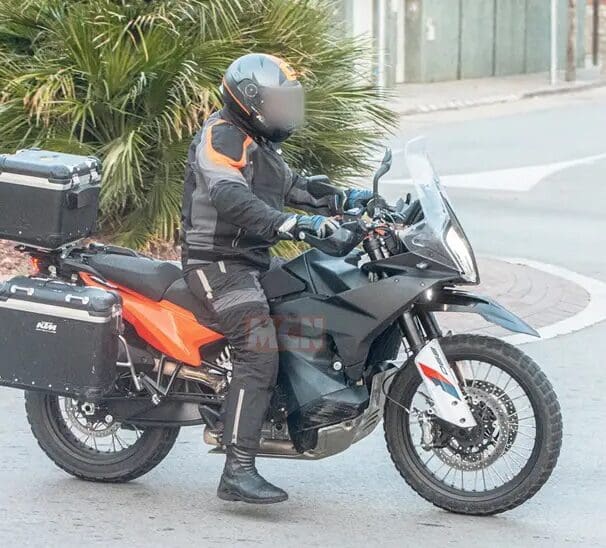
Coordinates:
(83, 439)
(500, 463)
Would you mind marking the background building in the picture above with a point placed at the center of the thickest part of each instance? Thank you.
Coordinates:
(432, 40)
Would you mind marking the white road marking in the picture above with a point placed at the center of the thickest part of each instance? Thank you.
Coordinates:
(517, 179)
(593, 313)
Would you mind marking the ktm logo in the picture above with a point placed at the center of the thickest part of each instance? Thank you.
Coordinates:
(46, 327)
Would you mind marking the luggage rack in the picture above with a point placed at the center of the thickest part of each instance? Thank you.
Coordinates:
(143, 381)
(65, 250)
(60, 259)
(155, 387)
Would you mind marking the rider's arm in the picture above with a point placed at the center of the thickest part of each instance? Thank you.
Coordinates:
(314, 196)
(222, 157)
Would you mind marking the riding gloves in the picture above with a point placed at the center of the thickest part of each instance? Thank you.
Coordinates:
(316, 225)
(357, 198)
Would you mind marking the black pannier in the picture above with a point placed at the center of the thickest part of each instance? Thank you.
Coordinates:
(48, 199)
(59, 338)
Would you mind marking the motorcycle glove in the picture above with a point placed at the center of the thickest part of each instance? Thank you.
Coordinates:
(316, 225)
(319, 186)
(357, 198)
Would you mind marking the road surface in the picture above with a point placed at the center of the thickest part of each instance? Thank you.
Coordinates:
(357, 498)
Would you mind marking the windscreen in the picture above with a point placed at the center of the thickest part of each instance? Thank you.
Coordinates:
(427, 238)
(427, 185)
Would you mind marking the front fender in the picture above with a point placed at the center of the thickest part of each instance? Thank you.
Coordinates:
(453, 300)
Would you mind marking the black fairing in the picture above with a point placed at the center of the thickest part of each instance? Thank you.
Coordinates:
(316, 273)
(340, 303)
(336, 317)
(453, 300)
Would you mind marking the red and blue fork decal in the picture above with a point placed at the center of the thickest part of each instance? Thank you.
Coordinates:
(440, 380)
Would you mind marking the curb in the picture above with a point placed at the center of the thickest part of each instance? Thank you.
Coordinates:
(593, 313)
(459, 104)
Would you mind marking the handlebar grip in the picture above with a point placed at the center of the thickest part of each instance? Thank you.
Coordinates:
(340, 243)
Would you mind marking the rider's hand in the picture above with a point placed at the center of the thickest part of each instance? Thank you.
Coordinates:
(357, 198)
(319, 186)
(316, 225)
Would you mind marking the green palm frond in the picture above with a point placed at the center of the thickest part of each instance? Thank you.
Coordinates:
(131, 81)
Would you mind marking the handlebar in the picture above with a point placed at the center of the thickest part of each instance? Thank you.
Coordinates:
(341, 242)
(354, 229)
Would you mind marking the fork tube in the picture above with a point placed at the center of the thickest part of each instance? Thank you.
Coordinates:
(429, 323)
(411, 332)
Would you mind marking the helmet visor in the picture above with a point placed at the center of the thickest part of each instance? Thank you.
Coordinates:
(283, 108)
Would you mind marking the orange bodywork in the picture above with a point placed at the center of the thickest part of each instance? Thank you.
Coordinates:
(167, 327)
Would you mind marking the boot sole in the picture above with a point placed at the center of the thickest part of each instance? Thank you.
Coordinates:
(234, 497)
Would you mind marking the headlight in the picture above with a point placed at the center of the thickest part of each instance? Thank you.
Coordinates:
(458, 247)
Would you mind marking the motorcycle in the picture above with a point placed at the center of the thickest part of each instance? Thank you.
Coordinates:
(471, 423)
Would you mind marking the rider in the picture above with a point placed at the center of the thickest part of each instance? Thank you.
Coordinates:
(236, 186)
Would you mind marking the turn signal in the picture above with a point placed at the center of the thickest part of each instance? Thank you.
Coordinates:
(35, 265)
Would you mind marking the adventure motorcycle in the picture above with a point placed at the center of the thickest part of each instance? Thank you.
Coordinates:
(471, 422)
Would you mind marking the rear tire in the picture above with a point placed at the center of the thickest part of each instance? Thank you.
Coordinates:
(400, 444)
(73, 456)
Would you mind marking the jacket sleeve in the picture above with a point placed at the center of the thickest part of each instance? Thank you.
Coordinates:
(321, 199)
(222, 157)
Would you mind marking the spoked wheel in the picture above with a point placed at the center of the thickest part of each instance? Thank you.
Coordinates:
(95, 429)
(85, 440)
(498, 464)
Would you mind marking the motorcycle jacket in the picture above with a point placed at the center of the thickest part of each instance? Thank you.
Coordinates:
(236, 188)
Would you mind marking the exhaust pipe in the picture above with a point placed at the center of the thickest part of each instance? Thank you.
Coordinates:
(197, 374)
(267, 448)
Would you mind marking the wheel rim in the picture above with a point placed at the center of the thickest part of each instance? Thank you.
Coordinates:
(89, 432)
(496, 454)
(95, 428)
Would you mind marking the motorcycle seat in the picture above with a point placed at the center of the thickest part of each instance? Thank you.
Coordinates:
(149, 277)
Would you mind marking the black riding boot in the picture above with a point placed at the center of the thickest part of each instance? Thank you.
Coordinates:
(241, 481)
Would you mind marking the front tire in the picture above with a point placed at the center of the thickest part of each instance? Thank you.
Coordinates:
(64, 433)
(412, 460)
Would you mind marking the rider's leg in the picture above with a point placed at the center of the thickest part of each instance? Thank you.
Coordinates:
(241, 310)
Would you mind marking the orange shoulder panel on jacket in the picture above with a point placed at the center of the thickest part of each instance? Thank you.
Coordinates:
(227, 145)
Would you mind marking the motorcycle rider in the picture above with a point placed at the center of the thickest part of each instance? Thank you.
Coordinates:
(237, 184)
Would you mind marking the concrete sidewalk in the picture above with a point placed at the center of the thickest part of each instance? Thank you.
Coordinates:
(457, 94)
(539, 298)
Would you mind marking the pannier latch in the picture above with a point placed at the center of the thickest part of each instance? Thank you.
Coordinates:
(29, 291)
(70, 298)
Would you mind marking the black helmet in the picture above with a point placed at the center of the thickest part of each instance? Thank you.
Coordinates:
(263, 91)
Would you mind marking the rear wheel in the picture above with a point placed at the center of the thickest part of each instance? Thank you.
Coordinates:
(83, 439)
(500, 463)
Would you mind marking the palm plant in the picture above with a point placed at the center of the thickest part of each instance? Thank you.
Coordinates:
(130, 81)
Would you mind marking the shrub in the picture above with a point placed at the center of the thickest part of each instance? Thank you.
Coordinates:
(130, 81)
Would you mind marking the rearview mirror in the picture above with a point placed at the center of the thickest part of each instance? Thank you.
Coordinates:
(383, 169)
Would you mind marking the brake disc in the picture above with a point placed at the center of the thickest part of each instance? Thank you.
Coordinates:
(96, 429)
(494, 434)
(503, 399)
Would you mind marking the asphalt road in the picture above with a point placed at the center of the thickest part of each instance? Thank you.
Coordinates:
(357, 498)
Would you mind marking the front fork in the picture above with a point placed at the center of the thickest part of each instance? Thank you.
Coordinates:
(441, 383)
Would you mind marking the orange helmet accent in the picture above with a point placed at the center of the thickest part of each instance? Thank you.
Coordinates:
(287, 69)
(225, 86)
